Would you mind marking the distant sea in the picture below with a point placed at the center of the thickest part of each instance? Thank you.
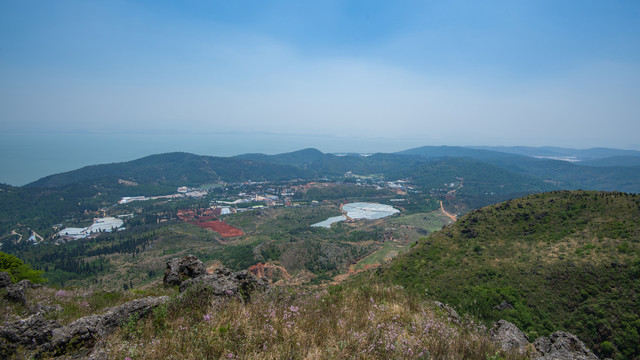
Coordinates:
(26, 157)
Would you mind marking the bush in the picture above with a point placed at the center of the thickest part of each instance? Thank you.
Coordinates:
(19, 270)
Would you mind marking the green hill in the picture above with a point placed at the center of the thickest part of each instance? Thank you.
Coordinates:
(563, 174)
(553, 261)
(176, 169)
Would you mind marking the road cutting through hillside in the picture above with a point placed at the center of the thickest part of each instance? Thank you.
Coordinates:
(450, 216)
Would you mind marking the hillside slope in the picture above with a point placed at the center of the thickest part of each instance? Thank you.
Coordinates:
(176, 169)
(564, 174)
(559, 260)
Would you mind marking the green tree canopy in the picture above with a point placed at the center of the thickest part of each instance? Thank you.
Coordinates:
(18, 269)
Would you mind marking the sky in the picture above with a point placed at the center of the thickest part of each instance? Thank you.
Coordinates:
(85, 82)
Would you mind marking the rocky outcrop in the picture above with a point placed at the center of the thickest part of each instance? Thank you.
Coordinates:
(558, 346)
(16, 292)
(181, 269)
(32, 332)
(85, 331)
(5, 279)
(562, 346)
(225, 283)
(188, 271)
(50, 337)
(509, 337)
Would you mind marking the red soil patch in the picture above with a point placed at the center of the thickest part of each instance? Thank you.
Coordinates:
(206, 219)
(224, 229)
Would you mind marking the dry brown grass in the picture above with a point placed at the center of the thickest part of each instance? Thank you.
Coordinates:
(341, 323)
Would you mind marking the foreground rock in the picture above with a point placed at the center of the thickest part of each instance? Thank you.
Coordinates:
(5, 279)
(188, 272)
(562, 346)
(48, 338)
(85, 331)
(509, 337)
(224, 282)
(51, 338)
(32, 332)
(16, 292)
(558, 346)
(181, 269)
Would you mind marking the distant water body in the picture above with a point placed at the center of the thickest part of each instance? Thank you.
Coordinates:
(26, 157)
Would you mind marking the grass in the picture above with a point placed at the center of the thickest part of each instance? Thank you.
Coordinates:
(74, 302)
(355, 322)
(386, 252)
(431, 222)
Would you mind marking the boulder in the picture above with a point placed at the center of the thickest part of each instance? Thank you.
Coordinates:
(181, 269)
(31, 333)
(5, 279)
(509, 337)
(45, 309)
(27, 284)
(562, 346)
(49, 337)
(16, 294)
(225, 283)
(85, 331)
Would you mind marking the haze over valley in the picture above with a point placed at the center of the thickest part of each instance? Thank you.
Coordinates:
(320, 180)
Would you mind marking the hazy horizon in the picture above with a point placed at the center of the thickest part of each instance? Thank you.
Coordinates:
(94, 82)
(23, 162)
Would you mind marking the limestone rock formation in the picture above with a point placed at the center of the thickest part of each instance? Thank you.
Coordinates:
(224, 282)
(181, 269)
(86, 330)
(50, 337)
(562, 346)
(5, 279)
(508, 336)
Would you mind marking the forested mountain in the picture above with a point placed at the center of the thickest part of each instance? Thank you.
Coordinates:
(557, 152)
(176, 169)
(564, 174)
(614, 161)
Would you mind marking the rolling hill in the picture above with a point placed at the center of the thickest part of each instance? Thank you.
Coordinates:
(176, 169)
(554, 261)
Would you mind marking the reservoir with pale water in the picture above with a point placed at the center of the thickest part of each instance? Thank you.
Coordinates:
(360, 210)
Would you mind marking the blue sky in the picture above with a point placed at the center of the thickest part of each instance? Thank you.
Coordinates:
(561, 73)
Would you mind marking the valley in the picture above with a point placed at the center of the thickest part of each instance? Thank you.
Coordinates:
(495, 235)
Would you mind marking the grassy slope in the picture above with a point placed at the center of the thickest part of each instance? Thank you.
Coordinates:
(564, 260)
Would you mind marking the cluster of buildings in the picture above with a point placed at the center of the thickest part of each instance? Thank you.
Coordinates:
(100, 225)
(183, 191)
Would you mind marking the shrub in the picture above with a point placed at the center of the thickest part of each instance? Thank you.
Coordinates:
(19, 270)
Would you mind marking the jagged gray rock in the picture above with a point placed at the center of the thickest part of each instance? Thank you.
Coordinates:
(16, 293)
(45, 309)
(224, 282)
(5, 279)
(49, 337)
(451, 313)
(181, 269)
(27, 284)
(86, 330)
(508, 336)
(562, 346)
(31, 332)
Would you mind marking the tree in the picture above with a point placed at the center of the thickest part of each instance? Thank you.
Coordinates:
(19, 270)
